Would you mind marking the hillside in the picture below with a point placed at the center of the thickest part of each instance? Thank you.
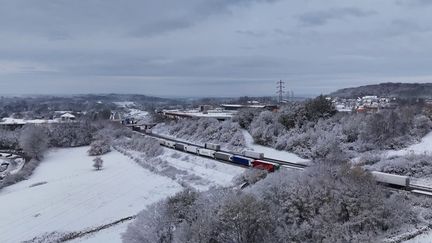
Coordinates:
(399, 90)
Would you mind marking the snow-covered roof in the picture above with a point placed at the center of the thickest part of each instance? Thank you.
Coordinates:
(9, 120)
(196, 113)
(67, 115)
(245, 106)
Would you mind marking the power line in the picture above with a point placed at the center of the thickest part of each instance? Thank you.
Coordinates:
(280, 90)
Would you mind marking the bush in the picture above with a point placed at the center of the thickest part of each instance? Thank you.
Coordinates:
(99, 147)
(148, 145)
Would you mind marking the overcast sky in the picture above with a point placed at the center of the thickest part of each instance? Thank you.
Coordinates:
(211, 47)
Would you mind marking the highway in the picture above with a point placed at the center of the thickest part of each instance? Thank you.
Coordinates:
(413, 188)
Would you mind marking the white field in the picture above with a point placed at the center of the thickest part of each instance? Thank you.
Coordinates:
(210, 173)
(76, 197)
(73, 196)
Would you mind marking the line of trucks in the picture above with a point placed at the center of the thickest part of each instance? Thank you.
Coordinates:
(256, 160)
(248, 158)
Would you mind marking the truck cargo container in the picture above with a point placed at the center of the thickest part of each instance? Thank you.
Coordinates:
(170, 144)
(212, 146)
(223, 156)
(264, 165)
(180, 146)
(191, 149)
(206, 152)
(253, 154)
(240, 160)
(395, 180)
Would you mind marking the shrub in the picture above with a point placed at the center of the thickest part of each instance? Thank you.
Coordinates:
(99, 147)
(97, 163)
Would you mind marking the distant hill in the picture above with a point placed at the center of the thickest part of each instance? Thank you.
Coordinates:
(399, 90)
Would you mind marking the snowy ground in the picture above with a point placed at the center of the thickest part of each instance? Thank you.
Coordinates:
(207, 172)
(110, 235)
(72, 196)
(10, 165)
(271, 152)
(424, 147)
(132, 111)
(66, 194)
(424, 238)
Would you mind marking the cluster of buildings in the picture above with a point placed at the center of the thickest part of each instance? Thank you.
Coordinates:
(13, 123)
(364, 104)
(222, 112)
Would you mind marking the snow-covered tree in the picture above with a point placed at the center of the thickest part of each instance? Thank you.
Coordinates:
(206, 130)
(158, 222)
(9, 139)
(244, 117)
(243, 218)
(265, 128)
(34, 141)
(97, 163)
(99, 147)
(71, 134)
(331, 203)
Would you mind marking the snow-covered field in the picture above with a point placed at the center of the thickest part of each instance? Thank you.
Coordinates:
(424, 147)
(65, 194)
(271, 152)
(72, 196)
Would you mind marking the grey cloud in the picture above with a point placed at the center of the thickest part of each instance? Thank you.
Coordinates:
(317, 18)
(414, 3)
(400, 27)
(250, 33)
(63, 19)
(147, 46)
